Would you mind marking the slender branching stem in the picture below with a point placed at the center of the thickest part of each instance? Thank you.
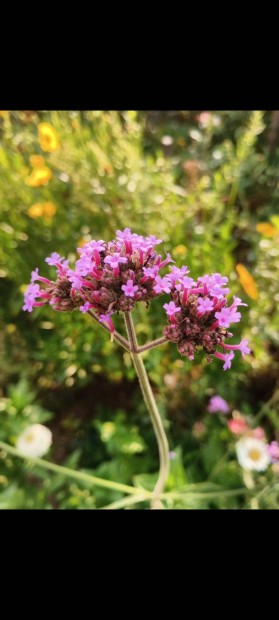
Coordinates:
(153, 412)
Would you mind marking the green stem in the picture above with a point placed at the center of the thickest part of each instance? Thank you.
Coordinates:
(250, 484)
(153, 411)
(65, 471)
(151, 345)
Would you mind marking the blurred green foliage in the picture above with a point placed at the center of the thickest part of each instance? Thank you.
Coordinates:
(207, 184)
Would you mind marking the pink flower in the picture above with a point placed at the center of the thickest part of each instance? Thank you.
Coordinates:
(150, 272)
(185, 283)
(238, 426)
(242, 347)
(227, 316)
(273, 451)
(30, 295)
(129, 288)
(106, 318)
(113, 260)
(171, 309)
(85, 307)
(205, 305)
(259, 433)
(225, 358)
(54, 258)
(162, 285)
(167, 260)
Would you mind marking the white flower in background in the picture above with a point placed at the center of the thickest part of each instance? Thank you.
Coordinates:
(35, 441)
(252, 454)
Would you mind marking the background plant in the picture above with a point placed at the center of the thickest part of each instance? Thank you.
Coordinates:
(205, 183)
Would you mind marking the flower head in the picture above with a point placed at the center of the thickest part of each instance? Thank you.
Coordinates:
(238, 426)
(218, 404)
(273, 451)
(35, 441)
(39, 176)
(252, 454)
(204, 315)
(111, 277)
(53, 259)
(48, 137)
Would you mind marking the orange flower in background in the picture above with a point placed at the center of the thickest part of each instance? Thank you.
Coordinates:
(266, 229)
(36, 161)
(39, 176)
(49, 209)
(247, 282)
(36, 210)
(48, 137)
(180, 251)
(42, 209)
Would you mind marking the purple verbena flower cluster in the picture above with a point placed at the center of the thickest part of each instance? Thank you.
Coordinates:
(112, 277)
(199, 316)
(108, 277)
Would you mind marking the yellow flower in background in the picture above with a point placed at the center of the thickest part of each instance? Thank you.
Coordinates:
(36, 210)
(81, 243)
(180, 251)
(48, 137)
(42, 209)
(266, 229)
(39, 176)
(4, 113)
(49, 209)
(247, 282)
(36, 161)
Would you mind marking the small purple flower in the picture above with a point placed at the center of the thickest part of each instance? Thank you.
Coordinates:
(273, 451)
(85, 307)
(227, 358)
(167, 260)
(237, 302)
(171, 310)
(35, 276)
(54, 258)
(113, 260)
(227, 316)
(177, 273)
(205, 305)
(30, 295)
(124, 235)
(75, 279)
(242, 347)
(153, 240)
(129, 288)
(185, 283)
(218, 404)
(162, 285)
(228, 361)
(150, 273)
(106, 318)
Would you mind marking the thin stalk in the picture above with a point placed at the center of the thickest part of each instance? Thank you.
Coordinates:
(151, 345)
(250, 484)
(65, 471)
(117, 337)
(153, 412)
(126, 501)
